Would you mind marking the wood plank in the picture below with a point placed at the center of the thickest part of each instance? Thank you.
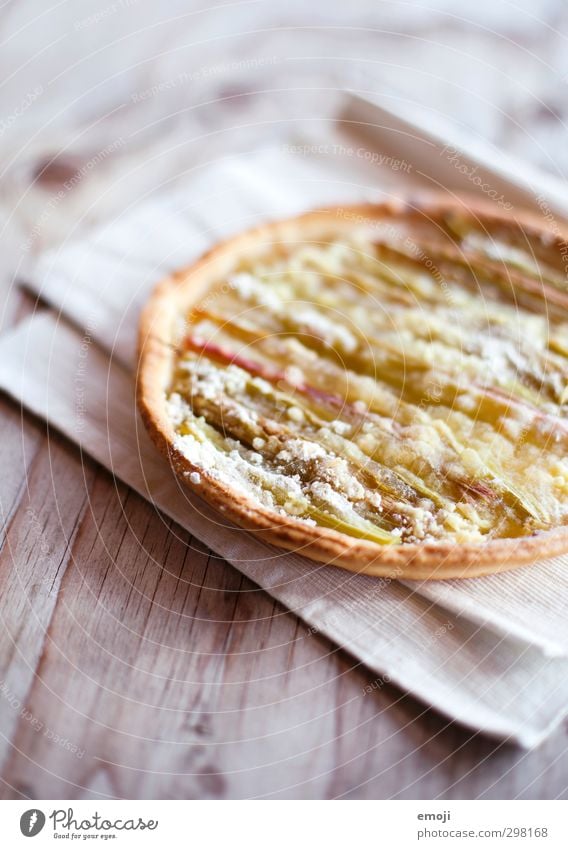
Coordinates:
(33, 560)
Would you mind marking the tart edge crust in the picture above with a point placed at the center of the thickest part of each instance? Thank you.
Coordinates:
(175, 295)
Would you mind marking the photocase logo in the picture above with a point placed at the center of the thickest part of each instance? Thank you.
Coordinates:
(32, 822)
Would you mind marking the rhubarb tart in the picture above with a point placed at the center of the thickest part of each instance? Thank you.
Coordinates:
(382, 388)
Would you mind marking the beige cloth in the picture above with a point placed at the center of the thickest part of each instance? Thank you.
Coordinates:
(491, 652)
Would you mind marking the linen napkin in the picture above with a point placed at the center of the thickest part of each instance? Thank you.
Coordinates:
(100, 283)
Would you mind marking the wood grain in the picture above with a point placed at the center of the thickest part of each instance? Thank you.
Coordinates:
(133, 662)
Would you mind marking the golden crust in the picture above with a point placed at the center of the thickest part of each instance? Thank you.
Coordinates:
(157, 339)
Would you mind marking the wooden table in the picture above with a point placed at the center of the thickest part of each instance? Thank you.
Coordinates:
(134, 662)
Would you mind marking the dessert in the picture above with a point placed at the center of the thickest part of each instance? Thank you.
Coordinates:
(382, 388)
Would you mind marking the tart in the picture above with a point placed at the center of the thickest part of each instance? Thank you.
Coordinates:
(381, 387)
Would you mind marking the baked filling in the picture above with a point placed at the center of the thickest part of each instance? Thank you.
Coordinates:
(399, 384)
